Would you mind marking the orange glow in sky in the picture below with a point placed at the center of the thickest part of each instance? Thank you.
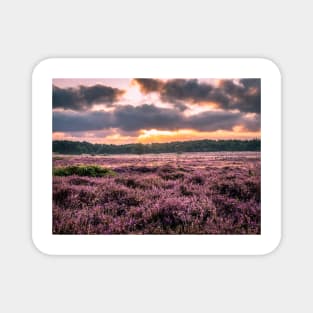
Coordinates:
(134, 115)
(158, 136)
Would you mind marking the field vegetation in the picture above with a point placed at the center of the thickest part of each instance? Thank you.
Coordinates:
(170, 193)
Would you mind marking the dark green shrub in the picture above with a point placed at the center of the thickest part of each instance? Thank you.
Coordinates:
(83, 170)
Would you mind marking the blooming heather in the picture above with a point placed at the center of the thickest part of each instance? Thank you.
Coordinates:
(190, 193)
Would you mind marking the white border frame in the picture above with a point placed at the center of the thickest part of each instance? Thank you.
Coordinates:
(51, 244)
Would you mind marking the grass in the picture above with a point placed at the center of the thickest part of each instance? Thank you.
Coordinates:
(83, 170)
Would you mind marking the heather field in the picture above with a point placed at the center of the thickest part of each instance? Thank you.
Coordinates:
(188, 193)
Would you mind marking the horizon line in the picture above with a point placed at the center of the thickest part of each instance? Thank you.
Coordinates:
(158, 143)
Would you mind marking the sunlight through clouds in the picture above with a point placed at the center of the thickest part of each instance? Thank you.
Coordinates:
(119, 111)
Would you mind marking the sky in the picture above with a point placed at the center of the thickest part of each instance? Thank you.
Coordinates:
(147, 110)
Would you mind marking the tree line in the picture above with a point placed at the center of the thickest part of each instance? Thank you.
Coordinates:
(83, 147)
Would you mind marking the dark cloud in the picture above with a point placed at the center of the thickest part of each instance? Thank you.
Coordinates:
(81, 121)
(251, 82)
(147, 85)
(214, 120)
(244, 95)
(84, 97)
(130, 119)
(185, 90)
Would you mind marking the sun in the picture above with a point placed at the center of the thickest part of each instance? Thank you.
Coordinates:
(156, 135)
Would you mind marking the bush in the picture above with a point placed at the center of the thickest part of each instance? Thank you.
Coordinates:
(83, 170)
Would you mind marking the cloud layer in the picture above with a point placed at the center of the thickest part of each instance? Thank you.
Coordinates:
(84, 97)
(131, 119)
(145, 109)
(244, 95)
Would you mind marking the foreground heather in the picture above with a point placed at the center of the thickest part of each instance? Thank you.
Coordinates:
(192, 193)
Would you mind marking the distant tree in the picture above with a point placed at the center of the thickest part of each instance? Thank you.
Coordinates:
(75, 147)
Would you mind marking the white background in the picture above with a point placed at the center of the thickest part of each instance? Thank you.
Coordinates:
(34, 30)
(264, 243)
